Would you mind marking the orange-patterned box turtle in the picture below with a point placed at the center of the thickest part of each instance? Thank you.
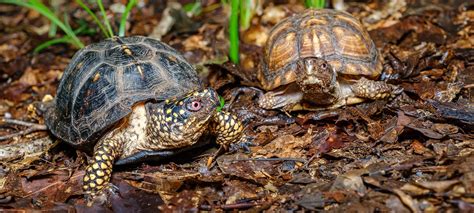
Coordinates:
(133, 98)
(320, 59)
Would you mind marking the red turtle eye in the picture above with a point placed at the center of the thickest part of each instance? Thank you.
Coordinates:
(195, 105)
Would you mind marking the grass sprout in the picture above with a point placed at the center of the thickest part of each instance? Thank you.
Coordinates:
(94, 17)
(123, 20)
(247, 10)
(45, 11)
(193, 9)
(316, 4)
(83, 29)
(234, 31)
(221, 104)
(105, 19)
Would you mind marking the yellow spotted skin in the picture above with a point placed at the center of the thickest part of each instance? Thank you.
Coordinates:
(227, 128)
(99, 169)
(167, 125)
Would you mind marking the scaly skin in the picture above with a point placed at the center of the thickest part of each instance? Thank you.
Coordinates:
(170, 125)
(99, 170)
(318, 88)
(227, 128)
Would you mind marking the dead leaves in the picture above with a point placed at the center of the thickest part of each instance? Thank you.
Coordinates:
(410, 154)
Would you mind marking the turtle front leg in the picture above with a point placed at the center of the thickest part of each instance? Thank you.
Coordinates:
(375, 90)
(96, 180)
(227, 128)
(282, 97)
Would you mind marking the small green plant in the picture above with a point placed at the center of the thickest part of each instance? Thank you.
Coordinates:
(45, 11)
(194, 8)
(105, 19)
(234, 31)
(94, 17)
(242, 12)
(83, 29)
(123, 20)
(71, 35)
(316, 4)
(221, 104)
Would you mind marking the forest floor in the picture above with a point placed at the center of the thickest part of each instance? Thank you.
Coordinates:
(414, 153)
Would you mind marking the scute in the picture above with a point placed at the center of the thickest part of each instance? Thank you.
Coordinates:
(332, 35)
(351, 44)
(77, 69)
(283, 52)
(316, 42)
(118, 55)
(103, 82)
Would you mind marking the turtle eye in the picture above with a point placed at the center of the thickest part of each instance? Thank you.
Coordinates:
(324, 66)
(194, 106)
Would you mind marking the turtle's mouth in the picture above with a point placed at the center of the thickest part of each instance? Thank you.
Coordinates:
(315, 75)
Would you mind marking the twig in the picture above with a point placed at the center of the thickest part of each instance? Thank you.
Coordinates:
(211, 161)
(468, 86)
(310, 160)
(32, 127)
(228, 206)
(271, 159)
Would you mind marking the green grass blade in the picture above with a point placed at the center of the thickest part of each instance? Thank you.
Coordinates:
(64, 39)
(45, 11)
(46, 44)
(53, 28)
(316, 4)
(96, 20)
(106, 20)
(246, 14)
(123, 20)
(193, 9)
(234, 31)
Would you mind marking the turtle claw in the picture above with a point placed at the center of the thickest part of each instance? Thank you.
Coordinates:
(102, 197)
(244, 145)
(397, 90)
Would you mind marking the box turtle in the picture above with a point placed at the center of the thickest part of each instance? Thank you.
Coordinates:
(131, 98)
(320, 59)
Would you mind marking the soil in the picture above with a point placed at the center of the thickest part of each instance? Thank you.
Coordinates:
(414, 153)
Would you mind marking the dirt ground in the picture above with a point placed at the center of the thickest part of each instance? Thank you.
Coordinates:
(414, 153)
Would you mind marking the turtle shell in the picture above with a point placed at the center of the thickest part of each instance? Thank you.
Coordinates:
(104, 80)
(333, 35)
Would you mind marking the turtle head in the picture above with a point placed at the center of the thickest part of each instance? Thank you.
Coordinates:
(317, 80)
(315, 74)
(184, 120)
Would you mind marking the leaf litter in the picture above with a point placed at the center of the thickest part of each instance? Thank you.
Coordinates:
(414, 153)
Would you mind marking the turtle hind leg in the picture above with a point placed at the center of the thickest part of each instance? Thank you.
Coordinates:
(375, 90)
(96, 180)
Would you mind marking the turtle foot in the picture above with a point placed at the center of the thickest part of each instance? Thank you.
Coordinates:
(101, 197)
(375, 90)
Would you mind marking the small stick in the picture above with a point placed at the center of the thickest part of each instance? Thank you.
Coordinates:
(468, 86)
(211, 160)
(271, 159)
(228, 206)
(32, 127)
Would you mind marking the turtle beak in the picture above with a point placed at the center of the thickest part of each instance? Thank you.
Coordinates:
(213, 96)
